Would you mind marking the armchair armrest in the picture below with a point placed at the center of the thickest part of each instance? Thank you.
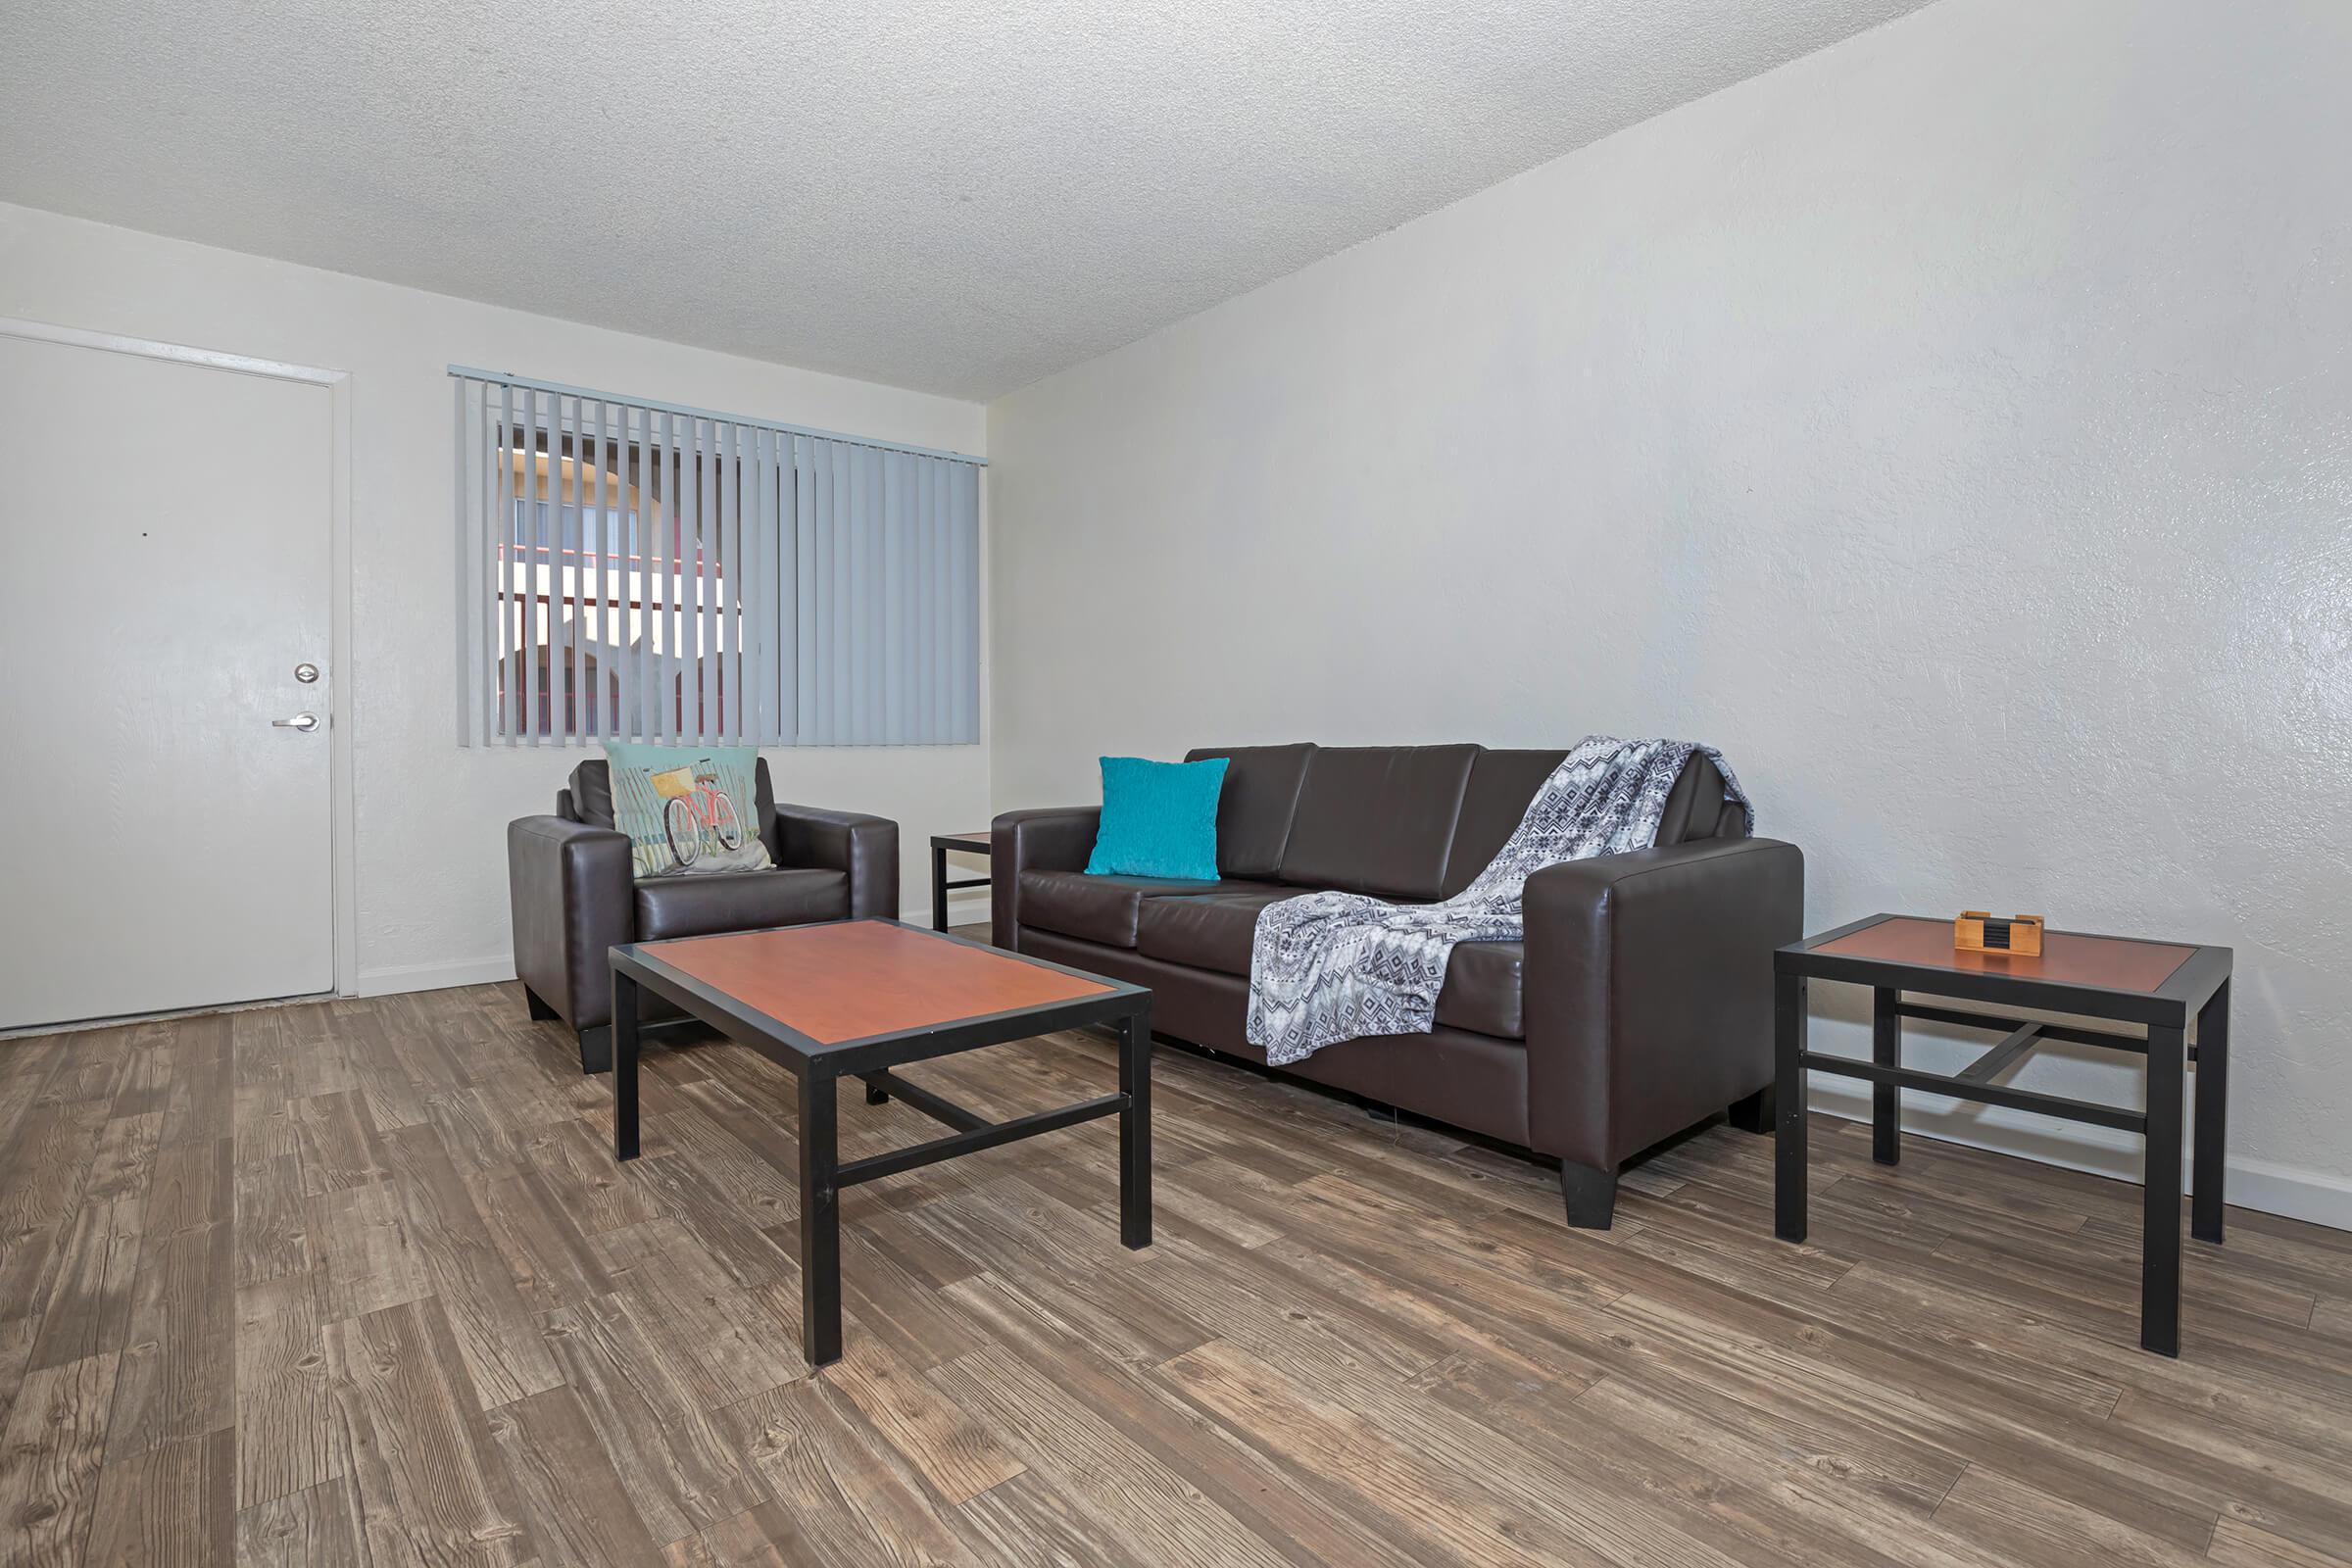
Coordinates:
(570, 889)
(1649, 981)
(866, 847)
(1044, 838)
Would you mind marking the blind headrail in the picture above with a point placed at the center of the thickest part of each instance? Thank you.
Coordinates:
(503, 378)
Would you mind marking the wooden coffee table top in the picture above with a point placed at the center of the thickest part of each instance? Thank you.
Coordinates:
(856, 979)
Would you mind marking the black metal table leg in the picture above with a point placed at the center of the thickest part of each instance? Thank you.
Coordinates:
(820, 1217)
(2206, 1174)
(624, 1067)
(1135, 1130)
(939, 888)
(1885, 1100)
(1788, 1097)
(2160, 1243)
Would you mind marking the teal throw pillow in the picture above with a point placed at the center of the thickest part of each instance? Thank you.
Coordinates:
(687, 808)
(1159, 818)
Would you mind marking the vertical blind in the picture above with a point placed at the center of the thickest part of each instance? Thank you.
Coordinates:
(633, 570)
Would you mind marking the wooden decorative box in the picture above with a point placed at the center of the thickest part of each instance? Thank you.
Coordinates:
(1977, 931)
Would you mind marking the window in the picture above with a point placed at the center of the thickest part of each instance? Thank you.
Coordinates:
(634, 571)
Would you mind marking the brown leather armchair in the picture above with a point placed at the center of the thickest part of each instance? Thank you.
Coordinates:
(573, 895)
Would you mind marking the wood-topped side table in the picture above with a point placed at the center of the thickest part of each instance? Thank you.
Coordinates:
(2158, 984)
(941, 844)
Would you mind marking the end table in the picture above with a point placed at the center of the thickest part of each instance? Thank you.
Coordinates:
(2159, 984)
(963, 844)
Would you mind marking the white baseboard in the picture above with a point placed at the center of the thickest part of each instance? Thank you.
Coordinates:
(399, 977)
(2259, 1184)
(2306, 1195)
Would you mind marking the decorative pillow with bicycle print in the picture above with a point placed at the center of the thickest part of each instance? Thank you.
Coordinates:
(687, 808)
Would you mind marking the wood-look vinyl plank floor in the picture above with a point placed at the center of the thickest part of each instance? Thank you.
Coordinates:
(357, 1282)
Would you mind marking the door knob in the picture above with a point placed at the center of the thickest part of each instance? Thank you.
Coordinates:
(305, 722)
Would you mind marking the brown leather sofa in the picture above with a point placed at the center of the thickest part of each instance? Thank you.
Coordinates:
(569, 882)
(1639, 1004)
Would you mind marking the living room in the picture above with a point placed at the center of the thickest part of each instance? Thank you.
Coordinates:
(1082, 568)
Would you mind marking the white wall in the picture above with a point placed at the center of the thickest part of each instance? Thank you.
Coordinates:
(1955, 425)
(430, 816)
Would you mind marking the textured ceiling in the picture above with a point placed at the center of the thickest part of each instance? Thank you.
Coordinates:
(956, 196)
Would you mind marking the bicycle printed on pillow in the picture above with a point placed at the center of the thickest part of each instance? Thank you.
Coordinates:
(698, 811)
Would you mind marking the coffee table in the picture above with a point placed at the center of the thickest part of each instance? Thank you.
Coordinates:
(854, 999)
(2159, 984)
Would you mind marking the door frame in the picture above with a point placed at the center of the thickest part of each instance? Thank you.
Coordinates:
(343, 855)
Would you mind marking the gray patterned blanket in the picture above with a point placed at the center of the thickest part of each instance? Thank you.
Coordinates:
(1333, 967)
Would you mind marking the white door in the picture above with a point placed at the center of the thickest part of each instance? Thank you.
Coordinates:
(164, 536)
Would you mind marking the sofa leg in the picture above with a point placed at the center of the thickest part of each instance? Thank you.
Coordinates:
(595, 1049)
(1754, 1112)
(1592, 1194)
(541, 1013)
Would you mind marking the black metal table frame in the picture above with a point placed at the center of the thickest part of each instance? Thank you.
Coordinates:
(819, 1067)
(2199, 988)
(942, 845)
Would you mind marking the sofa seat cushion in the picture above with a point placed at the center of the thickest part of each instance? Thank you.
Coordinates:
(1095, 909)
(1208, 930)
(1216, 930)
(740, 901)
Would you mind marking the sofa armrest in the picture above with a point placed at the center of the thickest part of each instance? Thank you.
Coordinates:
(1044, 838)
(572, 891)
(866, 847)
(1649, 981)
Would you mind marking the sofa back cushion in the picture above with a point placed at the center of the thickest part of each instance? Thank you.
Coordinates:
(591, 793)
(1697, 810)
(1259, 803)
(1502, 783)
(1378, 819)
